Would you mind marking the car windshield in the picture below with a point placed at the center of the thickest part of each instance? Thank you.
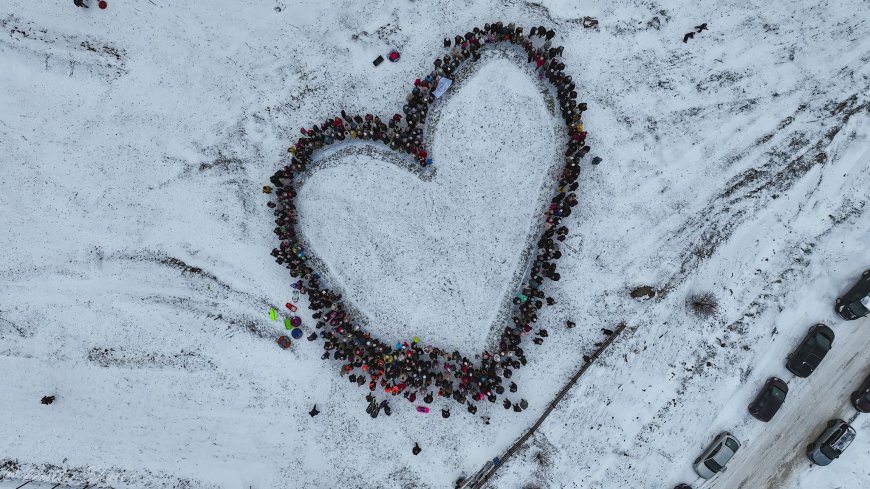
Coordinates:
(712, 465)
(822, 341)
(715, 451)
(778, 393)
(862, 307)
(732, 445)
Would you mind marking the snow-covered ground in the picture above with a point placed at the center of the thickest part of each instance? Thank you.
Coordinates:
(135, 276)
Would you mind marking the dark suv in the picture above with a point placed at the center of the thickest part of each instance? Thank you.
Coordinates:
(809, 354)
(769, 400)
(855, 303)
(861, 397)
(832, 442)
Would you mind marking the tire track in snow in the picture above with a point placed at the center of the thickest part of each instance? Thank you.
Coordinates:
(61, 52)
(755, 188)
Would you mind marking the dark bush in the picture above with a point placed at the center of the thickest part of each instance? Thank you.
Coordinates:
(704, 304)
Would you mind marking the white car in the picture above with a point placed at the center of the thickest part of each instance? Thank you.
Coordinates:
(714, 459)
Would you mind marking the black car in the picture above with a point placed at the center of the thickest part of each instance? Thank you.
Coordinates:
(861, 397)
(683, 486)
(803, 361)
(855, 304)
(769, 400)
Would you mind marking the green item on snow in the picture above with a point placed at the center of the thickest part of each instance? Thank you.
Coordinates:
(273, 314)
(415, 339)
(287, 324)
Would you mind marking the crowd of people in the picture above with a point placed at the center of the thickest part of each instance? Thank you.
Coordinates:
(410, 369)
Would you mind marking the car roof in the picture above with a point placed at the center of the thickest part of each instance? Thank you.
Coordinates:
(725, 452)
(811, 345)
(724, 455)
(811, 350)
(770, 403)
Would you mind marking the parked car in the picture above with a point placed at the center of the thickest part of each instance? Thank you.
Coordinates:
(769, 400)
(714, 459)
(855, 303)
(683, 486)
(832, 443)
(861, 397)
(809, 354)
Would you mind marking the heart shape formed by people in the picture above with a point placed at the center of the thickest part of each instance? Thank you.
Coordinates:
(411, 368)
(459, 239)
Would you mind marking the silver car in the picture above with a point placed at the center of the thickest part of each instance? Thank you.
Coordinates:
(831, 444)
(714, 459)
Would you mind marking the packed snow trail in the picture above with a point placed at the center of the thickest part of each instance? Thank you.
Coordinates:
(490, 468)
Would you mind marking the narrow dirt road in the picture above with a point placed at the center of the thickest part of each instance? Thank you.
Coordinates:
(776, 452)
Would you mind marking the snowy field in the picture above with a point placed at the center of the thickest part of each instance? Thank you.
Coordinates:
(135, 276)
